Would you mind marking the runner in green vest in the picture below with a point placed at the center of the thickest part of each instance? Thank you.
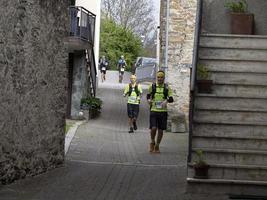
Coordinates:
(159, 95)
(134, 92)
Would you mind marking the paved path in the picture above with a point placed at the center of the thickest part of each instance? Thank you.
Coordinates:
(105, 162)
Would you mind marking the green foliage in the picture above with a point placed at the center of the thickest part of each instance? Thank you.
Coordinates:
(92, 102)
(67, 127)
(116, 41)
(200, 159)
(237, 7)
(202, 72)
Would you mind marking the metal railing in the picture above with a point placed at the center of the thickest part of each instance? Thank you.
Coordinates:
(92, 70)
(82, 26)
(82, 23)
(193, 75)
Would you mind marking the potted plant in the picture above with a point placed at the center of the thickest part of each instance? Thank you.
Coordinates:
(242, 22)
(201, 168)
(93, 104)
(203, 79)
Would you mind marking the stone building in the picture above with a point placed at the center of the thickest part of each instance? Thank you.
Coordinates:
(228, 123)
(180, 49)
(47, 66)
(82, 64)
(33, 65)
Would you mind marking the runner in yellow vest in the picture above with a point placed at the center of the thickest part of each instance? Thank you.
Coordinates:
(159, 95)
(134, 92)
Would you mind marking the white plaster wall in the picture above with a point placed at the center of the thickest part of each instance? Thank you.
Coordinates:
(94, 7)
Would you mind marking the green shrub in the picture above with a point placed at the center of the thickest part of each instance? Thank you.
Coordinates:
(200, 159)
(202, 72)
(237, 7)
(92, 102)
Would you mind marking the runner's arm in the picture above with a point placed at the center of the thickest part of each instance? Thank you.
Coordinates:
(126, 91)
(170, 98)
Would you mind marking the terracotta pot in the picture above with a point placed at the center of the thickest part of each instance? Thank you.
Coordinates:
(242, 23)
(204, 86)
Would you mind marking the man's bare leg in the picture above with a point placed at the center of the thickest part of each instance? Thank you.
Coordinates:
(130, 122)
(159, 138)
(153, 132)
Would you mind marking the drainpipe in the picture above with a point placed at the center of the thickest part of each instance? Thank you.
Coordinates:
(97, 30)
(158, 45)
(165, 68)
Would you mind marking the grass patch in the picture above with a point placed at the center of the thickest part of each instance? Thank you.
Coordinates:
(68, 125)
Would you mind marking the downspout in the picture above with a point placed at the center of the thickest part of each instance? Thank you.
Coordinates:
(165, 68)
(97, 30)
(158, 45)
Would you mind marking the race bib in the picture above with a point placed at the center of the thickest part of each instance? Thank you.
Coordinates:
(122, 69)
(158, 104)
(103, 68)
(132, 99)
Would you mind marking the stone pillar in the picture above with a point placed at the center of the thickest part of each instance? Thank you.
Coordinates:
(180, 51)
(80, 83)
(33, 71)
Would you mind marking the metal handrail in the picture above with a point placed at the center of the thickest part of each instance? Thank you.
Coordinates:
(193, 75)
(93, 71)
(83, 8)
(82, 23)
(196, 44)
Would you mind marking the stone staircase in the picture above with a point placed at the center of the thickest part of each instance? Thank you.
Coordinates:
(230, 124)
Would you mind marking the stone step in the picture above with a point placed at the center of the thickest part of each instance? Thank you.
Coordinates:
(230, 131)
(227, 186)
(212, 142)
(246, 91)
(230, 104)
(234, 172)
(233, 41)
(239, 78)
(235, 66)
(232, 54)
(230, 117)
(232, 156)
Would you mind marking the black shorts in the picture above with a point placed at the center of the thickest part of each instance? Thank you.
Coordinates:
(103, 71)
(132, 110)
(158, 120)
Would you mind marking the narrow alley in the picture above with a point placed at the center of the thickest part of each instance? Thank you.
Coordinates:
(104, 161)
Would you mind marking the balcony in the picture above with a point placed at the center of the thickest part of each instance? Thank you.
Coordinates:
(82, 29)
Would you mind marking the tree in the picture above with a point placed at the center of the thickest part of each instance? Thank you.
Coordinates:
(115, 41)
(150, 47)
(136, 15)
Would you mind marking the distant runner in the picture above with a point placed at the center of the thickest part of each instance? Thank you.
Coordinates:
(121, 68)
(103, 65)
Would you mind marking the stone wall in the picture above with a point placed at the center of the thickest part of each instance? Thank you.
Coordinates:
(80, 83)
(180, 51)
(33, 86)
